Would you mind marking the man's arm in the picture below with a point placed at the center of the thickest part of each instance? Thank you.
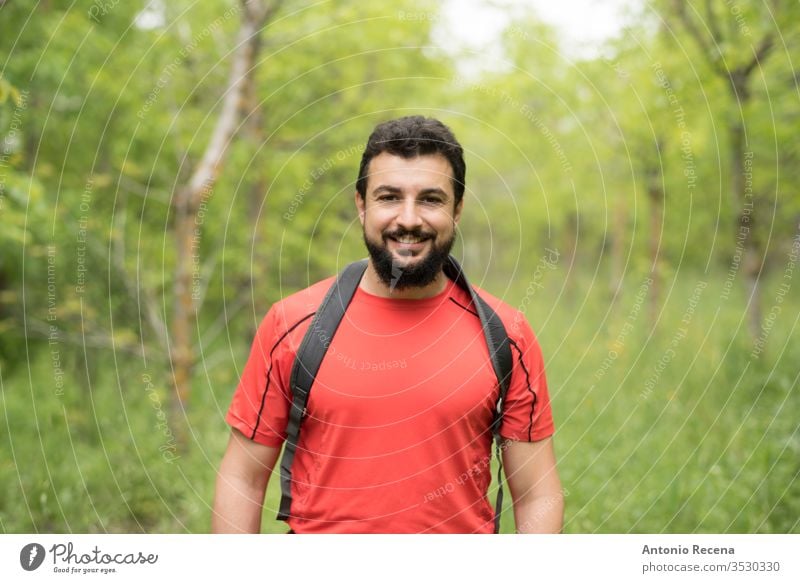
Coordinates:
(241, 483)
(530, 469)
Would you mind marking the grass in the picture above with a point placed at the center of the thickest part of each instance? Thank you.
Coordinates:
(677, 427)
(706, 441)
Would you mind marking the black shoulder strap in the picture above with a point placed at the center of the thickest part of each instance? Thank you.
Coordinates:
(493, 330)
(306, 365)
(318, 337)
(500, 354)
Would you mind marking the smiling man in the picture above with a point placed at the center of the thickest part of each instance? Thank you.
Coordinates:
(410, 227)
(397, 432)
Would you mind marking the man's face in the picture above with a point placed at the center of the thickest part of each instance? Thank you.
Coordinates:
(409, 217)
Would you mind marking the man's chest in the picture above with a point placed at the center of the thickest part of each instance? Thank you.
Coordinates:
(396, 371)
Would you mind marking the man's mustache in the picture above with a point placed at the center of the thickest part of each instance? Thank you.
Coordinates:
(416, 233)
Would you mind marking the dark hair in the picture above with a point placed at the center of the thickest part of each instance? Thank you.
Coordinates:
(410, 137)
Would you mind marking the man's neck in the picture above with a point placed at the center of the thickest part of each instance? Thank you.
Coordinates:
(373, 284)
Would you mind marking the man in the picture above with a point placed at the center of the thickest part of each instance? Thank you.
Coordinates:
(396, 437)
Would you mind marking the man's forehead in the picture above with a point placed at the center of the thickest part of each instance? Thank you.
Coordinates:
(430, 167)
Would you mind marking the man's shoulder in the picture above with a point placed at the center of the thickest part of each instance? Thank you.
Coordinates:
(301, 304)
(514, 320)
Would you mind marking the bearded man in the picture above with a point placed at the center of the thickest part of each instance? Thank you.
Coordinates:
(397, 432)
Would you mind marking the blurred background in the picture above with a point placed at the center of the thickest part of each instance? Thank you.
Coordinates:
(168, 170)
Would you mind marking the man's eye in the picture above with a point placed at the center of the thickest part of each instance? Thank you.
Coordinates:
(432, 200)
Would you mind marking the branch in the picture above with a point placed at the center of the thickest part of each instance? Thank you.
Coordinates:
(115, 258)
(210, 362)
(92, 340)
(680, 9)
(713, 25)
(139, 294)
(132, 186)
(740, 76)
(259, 12)
(764, 48)
(222, 321)
(255, 14)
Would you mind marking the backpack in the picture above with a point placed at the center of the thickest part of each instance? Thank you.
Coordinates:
(319, 335)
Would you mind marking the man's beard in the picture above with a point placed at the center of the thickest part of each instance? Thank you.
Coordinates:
(399, 276)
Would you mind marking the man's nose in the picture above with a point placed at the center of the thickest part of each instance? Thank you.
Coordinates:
(408, 216)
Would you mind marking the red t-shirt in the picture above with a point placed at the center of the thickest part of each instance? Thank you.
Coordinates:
(396, 438)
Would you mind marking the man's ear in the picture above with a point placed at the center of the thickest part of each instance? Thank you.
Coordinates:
(361, 206)
(457, 211)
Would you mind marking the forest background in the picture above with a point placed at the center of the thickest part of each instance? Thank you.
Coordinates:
(168, 170)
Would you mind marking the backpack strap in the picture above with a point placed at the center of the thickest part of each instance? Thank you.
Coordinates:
(320, 333)
(500, 355)
(306, 365)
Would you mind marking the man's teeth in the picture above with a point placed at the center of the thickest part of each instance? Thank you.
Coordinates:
(408, 239)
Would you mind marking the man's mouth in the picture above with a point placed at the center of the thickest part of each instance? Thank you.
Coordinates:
(408, 244)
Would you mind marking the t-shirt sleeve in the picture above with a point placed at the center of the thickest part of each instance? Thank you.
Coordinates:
(526, 414)
(260, 405)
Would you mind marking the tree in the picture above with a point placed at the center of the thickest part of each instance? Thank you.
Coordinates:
(188, 198)
(736, 42)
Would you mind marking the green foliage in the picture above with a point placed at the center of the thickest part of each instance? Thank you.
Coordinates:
(678, 428)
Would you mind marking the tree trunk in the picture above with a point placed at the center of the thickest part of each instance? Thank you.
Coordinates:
(655, 193)
(570, 245)
(738, 80)
(616, 274)
(256, 137)
(182, 352)
(752, 260)
(194, 195)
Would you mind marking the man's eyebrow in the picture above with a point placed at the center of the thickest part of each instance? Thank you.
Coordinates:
(433, 190)
(387, 188)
